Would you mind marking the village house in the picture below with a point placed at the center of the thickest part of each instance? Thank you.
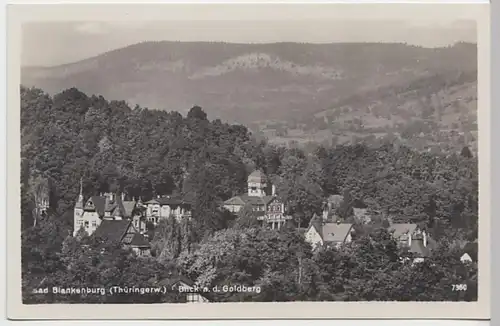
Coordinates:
(261, 196)
(124, 233)
(469, 253)
(329, 234)
(88, 215)
(404, 233)
(164, 207)
(411, 237)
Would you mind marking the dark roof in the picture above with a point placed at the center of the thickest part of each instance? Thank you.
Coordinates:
(316, 221)
(112, 230)
(417, 247)
(471, 249)
(251, 200)
(120, 207)
(109, 205)
(138, 240)
(98, 202)
(128, 208)
(116, 207)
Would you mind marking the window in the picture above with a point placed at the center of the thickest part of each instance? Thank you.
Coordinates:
(94, 224)
(87, 224)
(191, 297)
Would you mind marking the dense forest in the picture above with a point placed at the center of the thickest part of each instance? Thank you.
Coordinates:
(144, 153)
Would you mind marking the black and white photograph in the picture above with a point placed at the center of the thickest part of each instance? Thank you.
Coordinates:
(196, 160)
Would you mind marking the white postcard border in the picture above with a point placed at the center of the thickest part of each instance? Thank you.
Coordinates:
(17, 14)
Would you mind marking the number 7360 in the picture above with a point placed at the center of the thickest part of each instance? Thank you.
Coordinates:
(459, 287)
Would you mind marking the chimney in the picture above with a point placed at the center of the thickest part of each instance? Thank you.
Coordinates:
(273, 190)
(338, 221)
(424, 235)
(123, 196)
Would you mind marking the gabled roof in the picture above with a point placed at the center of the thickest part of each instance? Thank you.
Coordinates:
(332, 232)
(113, 230)
(128, 208)
(98, 202)
(336, 232)
(138, 240)
(471, 249)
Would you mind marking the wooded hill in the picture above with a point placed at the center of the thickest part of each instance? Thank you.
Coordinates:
(312, 91)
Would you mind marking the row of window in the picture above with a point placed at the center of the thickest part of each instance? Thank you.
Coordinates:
(156, 211)
(275, 208)
(86, 223)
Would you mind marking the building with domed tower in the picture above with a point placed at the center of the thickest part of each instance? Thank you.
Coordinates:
(261, 196)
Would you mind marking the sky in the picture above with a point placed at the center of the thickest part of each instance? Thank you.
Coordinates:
(55, 43)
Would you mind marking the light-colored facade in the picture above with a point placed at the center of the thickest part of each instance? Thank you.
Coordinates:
(89, 214)
(164, 207)
(320, 234)
(261, 196)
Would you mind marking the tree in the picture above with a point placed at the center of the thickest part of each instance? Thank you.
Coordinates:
(197, 112)
(466, 152)
(246, 218)
(39, 190)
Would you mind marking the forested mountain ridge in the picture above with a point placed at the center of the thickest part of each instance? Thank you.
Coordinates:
(437, 112)
(144, 152)
(284, 84)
